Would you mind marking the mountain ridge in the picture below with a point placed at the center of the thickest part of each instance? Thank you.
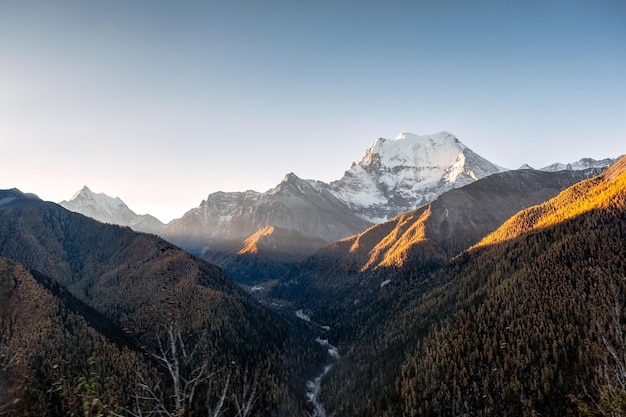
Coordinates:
(565, 206)
(49, 336)
(394, 176)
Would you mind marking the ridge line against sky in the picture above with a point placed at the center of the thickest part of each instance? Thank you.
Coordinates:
(161, 103)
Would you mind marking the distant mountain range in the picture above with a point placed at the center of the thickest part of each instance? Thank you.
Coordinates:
(393, 177)
(583, 163)
(304, 206)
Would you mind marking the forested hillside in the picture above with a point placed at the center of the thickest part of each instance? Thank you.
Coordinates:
(53, 361)
(167, 301)
(526, 325)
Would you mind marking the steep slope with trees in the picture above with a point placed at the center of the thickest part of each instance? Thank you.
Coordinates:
(528, 324)
(54, 361)
(152, 290)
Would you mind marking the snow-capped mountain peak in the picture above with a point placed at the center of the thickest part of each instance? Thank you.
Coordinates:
(411, 150)
(87, 198)
(296, 186)
(400, 174)
(113, 210)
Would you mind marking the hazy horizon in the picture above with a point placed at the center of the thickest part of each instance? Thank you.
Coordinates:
(163, 103)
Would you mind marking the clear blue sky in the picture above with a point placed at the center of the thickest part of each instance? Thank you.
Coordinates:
(163, 102)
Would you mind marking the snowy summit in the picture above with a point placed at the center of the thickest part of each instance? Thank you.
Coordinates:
(112, 210)
(398, 175)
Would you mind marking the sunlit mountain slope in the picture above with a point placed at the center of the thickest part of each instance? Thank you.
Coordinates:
(526, 325)
(598, 192)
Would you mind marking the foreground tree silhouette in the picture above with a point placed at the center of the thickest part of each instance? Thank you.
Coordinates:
(186, 378)
(190, 376)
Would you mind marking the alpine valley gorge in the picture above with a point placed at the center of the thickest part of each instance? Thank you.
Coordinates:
(427, 281)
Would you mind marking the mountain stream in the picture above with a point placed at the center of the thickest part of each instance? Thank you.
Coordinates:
(313, 386)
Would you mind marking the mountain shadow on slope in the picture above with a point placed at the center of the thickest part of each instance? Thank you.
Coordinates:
(92, 317)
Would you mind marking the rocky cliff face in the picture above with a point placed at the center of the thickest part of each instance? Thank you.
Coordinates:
(304, 206)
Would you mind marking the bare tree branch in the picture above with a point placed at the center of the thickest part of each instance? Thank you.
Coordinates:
(245, 403)
(217, 411)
